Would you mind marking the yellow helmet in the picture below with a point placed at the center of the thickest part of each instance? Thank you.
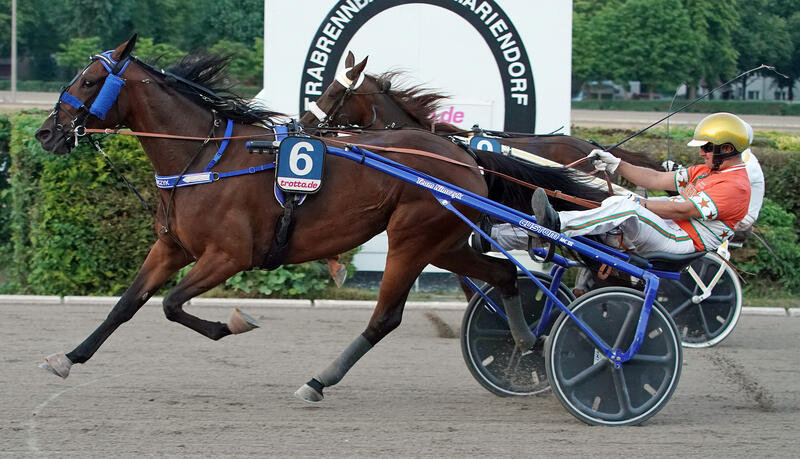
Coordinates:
(721, 128)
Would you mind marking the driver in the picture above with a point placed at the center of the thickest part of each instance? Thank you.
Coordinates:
(713, 197)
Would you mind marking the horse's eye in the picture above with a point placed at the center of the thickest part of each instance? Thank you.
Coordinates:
(87, 83)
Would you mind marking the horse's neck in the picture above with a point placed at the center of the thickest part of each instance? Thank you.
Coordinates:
(178, 117)
(393, 114)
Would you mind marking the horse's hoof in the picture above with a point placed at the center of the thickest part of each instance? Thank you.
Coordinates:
(340, 276)
(240, 322)
(308, 394)
(58, 364)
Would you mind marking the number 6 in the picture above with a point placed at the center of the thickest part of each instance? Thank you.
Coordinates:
(296, 154)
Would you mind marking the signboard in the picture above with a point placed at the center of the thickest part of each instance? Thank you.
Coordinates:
(300, 164)
(504, 63)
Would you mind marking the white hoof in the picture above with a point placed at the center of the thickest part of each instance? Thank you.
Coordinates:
(340, 276)
(308, 394)
(240, 322)
(58, 364)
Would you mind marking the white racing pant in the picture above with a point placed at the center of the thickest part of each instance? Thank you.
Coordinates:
(642, 230)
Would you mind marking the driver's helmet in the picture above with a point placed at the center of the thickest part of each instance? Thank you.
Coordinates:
(722, 128)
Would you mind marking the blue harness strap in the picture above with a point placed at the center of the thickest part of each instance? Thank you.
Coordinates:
(223, 145)
(281, 132)
(199, 178)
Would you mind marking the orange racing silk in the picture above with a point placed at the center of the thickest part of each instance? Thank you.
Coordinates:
(722, 197)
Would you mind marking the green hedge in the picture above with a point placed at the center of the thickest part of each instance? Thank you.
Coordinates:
(76, 229)
(33, 85)
(765, 272)
(741, 107)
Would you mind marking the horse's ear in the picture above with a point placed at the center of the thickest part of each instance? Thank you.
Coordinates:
(128, 47)
(350, 60)
(358, 69)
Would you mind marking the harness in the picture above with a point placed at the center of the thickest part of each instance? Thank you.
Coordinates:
(350, 87)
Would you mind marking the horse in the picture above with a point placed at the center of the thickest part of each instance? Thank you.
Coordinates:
(376, 104)
(229, 224)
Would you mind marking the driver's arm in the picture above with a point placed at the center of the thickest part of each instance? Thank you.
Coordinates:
(648, 178)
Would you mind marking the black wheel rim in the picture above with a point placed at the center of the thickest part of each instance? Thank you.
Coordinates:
(588, 382)
(491, 348)
(700, 322)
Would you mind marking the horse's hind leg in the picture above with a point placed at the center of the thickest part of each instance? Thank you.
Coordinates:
(398, 277)
(161, 263)
(209, 271)
(498, 272)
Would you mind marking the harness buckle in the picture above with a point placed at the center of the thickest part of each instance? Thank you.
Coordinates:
(214, 176)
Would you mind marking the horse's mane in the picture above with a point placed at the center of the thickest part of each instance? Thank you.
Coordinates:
(208, 70)
(552, 178)
(419, 102)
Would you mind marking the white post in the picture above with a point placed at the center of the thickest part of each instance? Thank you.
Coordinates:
(13, 50)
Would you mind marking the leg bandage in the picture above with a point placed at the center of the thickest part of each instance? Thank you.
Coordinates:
(339, 367)
(516, 322)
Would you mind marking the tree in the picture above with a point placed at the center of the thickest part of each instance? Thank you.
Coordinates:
(792, 67)
(716, 22)
(5, 28)
(75, 54)
(763, 39)
(246, 61)
(653, 41)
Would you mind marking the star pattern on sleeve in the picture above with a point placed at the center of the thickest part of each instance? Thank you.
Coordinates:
(705, 205)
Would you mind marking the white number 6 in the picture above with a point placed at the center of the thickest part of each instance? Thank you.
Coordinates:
(297, 154)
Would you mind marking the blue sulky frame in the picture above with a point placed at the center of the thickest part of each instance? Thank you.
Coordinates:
(446, 194)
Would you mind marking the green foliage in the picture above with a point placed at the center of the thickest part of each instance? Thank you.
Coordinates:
(782, 176)
(76, 229)
(771, 272)
(299, 280)
(147, 51)
(741, 107)
(716, 23)
(5, 163)
(75, 54)
(246, 61)
(653, 41)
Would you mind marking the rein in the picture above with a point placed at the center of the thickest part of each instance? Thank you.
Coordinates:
(588, 203)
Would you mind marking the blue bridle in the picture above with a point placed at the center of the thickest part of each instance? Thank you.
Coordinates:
(108, 93)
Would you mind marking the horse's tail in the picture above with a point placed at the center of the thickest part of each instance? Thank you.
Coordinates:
(552, 178)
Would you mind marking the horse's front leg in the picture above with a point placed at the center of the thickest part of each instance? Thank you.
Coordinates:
(209, 271)
(161, 263)
(402, 269)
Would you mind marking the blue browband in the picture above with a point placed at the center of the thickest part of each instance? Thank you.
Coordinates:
(198, 178)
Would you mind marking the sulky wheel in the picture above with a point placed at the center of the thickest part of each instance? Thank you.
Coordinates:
(703, 323)
(489, 350)
(586, 382)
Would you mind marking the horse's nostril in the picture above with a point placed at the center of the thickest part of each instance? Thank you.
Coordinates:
(43, 134)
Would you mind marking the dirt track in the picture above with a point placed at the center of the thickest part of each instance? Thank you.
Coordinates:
(158, 389)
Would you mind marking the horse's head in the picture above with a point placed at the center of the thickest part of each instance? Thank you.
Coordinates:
(347, 100)
(88, 99)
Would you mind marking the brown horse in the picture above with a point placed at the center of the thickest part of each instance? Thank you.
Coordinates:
(375, 104)
(229, 224)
